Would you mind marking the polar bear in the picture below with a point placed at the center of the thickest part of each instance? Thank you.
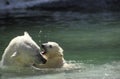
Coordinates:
(22, 51)
(54, 55)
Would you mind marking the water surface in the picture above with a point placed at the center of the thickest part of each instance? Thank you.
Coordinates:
(89, 40)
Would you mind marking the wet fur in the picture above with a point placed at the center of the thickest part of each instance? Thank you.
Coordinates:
(54, 56)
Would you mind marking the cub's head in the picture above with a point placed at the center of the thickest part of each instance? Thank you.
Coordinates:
(51, 49)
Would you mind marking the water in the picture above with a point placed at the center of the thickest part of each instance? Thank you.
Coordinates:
(90, 41)
(13, 8)
(20, 4)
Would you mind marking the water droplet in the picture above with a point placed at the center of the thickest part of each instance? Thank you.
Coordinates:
(39, 41)
(40, 31)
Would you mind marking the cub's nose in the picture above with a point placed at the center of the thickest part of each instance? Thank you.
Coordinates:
(42, 45)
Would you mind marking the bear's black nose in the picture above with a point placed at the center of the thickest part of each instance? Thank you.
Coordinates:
(41, 58)
(42, 45)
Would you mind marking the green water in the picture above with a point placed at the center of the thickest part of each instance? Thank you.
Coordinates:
(90, 40)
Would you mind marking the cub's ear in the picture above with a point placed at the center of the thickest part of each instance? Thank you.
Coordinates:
(61, 50)
(14, 54)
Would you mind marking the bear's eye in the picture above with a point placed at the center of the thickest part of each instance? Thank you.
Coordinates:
(50, 46)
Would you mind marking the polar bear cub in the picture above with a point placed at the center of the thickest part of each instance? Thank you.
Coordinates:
(22, 51)
(54, 55)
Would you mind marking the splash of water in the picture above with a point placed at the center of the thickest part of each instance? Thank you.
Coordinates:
(15, 70)
(39, 35)
(79, 71)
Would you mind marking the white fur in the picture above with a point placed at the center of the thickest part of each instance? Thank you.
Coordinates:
(21, 51)
(54, 56)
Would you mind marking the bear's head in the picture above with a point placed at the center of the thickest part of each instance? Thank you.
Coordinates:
(52, 49)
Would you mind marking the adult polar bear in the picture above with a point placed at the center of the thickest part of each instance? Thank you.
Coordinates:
(22, 51)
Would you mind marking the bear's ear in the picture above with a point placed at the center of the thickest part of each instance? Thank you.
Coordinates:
(27, 34)
(61, 51)
(14, 54)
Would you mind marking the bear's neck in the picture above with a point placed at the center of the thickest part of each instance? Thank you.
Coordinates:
(52, 55)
